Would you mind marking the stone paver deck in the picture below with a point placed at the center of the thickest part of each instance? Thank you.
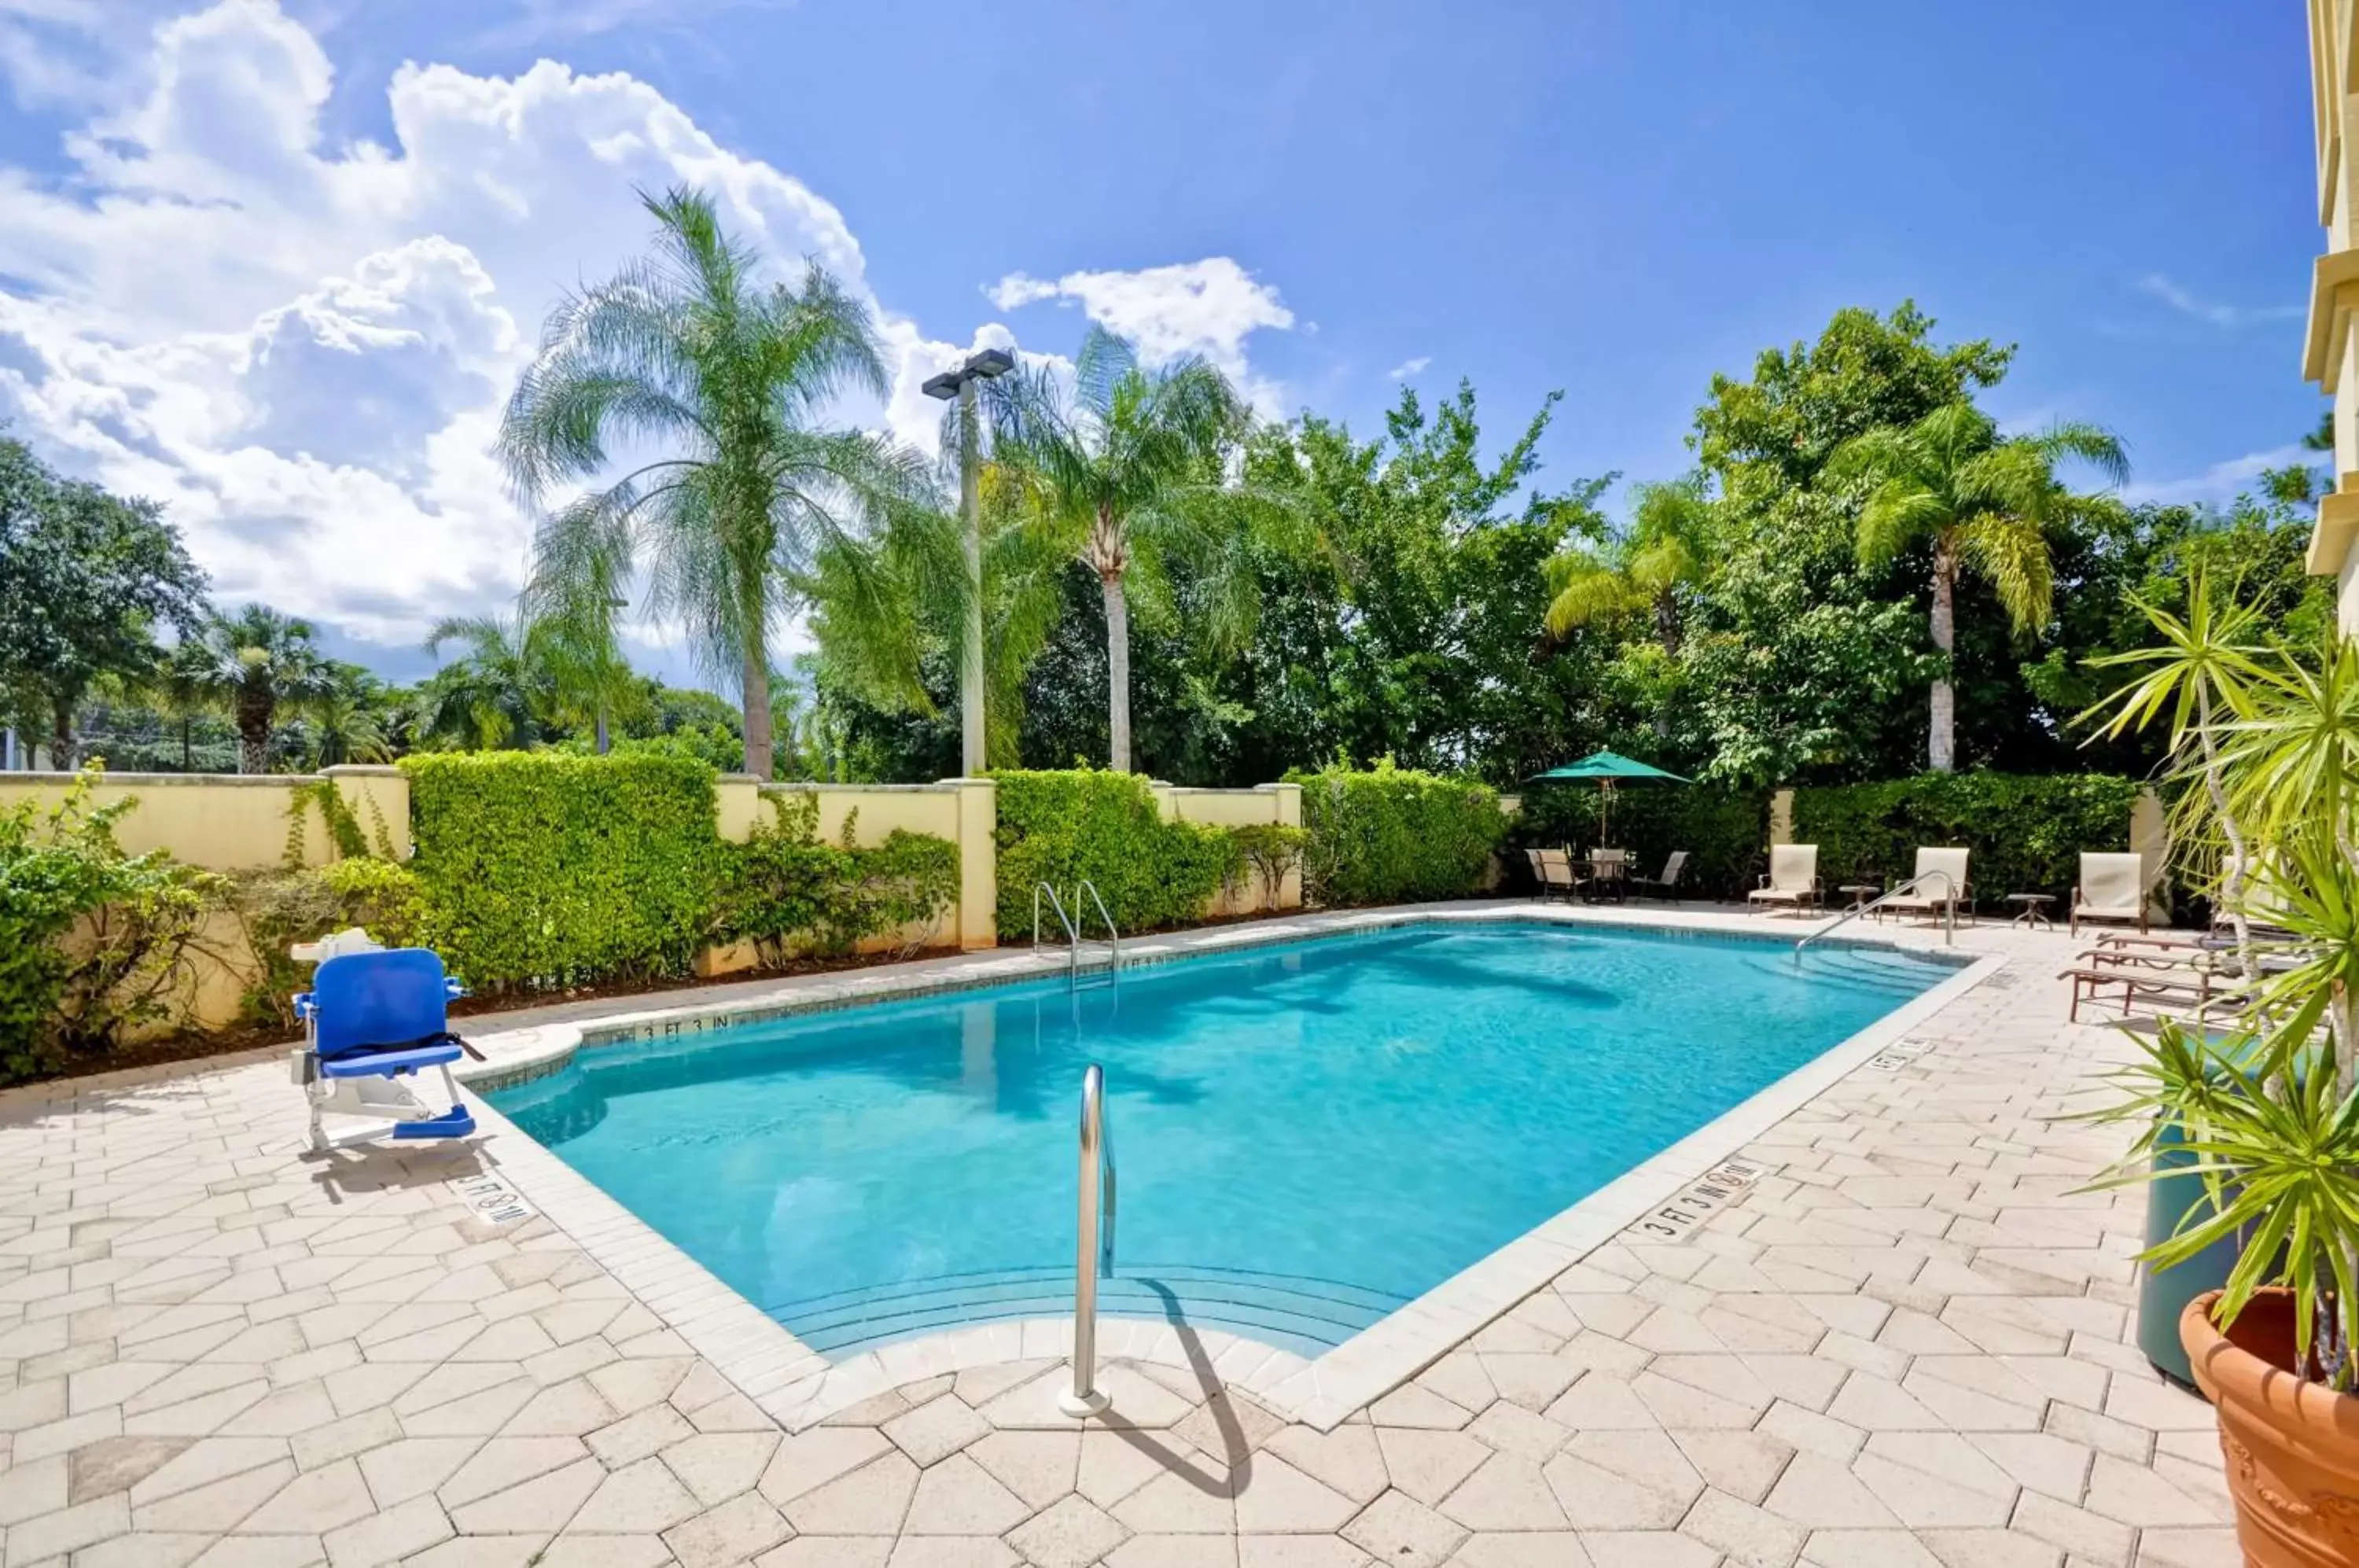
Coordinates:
(1906, 1345)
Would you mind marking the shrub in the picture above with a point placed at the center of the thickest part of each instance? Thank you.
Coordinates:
(1059, 827)
(1392, 835)
(542, 870)
(2026, 833)
(784, 888)
(1725, 831)
(281, 907)
(1271, 851)
(93, 941)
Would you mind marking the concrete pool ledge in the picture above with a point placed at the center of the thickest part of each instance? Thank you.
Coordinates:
(800, 1387)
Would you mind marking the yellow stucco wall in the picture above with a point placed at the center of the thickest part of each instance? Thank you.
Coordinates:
(227, 823)
(224, 822)
(2330, 344)
(240, 825)
(1276, 804)
(960, 809)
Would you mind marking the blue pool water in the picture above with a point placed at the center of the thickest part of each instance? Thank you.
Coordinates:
(1308, 1135)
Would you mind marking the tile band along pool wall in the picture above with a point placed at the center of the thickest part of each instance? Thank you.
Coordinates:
(1310, 1134)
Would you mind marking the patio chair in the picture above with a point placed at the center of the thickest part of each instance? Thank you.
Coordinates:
(1555, 868)
(1941, 882)
(375, 1020)
(1667, 885)
(1792, 880)
(2112, 888)
(1609, 876)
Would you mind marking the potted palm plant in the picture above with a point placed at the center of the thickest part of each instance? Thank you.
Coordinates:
(2263, 1110)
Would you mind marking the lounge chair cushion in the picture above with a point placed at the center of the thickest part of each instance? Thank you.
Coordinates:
(2112, 885)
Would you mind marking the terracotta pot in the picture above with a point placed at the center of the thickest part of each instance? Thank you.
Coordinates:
(2291, 1447)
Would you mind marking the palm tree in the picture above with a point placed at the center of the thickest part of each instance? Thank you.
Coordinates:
(1129, 470)
(1664, 550)
(570, 638)
(345, 719)
(181, 688)
(878, 619)
(495, 694)
(252, 662)
(691, 354)
(1983, 502)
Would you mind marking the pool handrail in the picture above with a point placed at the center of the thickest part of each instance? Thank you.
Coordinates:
(1093, 1248)
(1113, 936)
(1949, 909)
(1073, 937)
(1071, 927)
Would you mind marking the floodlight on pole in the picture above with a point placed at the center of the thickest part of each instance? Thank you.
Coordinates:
(960, 384)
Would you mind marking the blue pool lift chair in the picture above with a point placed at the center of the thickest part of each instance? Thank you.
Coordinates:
(375, 1019)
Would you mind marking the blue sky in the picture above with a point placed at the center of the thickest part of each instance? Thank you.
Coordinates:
(211, 290)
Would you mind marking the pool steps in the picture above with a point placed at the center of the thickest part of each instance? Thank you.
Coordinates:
(1306, 1316)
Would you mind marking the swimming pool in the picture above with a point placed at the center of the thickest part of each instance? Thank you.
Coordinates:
(1310, 1135)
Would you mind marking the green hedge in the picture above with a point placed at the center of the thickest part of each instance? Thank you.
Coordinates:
(2027, 834)
(542, 870)
(1061, 826)
(1725, 831)
(1391, 835)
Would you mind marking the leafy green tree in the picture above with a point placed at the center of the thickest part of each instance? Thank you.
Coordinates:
(254, 662)
(691, 354)
(1789, 659)
(1982, 502)
(1413, 628)
(1125, 471)
(86, 579)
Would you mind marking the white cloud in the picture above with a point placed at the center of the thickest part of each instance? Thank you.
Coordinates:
(2186, 303)
(1206, 307)
(300, 348)
(2223, 481)
(1410, 367)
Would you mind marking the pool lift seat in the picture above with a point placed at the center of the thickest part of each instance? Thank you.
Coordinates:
(375, 1018)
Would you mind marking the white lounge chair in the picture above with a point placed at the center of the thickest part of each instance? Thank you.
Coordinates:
(2112, 888)
(1792, 880)
(1940, 882)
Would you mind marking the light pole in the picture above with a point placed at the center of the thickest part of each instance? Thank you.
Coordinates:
(984, 366)
(604, 669)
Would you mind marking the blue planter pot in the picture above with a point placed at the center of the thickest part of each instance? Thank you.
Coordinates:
(2163, 1293)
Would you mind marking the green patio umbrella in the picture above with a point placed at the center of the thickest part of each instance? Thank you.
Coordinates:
(1607, 768)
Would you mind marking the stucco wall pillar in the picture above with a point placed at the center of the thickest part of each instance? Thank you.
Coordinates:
(978, 825)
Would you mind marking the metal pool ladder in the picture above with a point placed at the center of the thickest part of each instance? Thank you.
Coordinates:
(1072, 932)
(1094, 1248)
(1948, 910)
